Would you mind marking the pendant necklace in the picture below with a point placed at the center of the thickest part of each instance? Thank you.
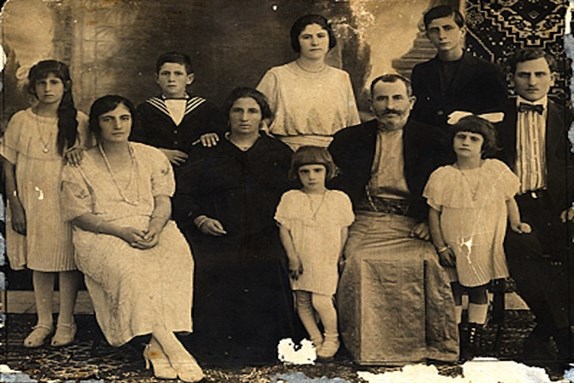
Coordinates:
(45, 143)
(133, 174)
(314, 212)
(473, 191)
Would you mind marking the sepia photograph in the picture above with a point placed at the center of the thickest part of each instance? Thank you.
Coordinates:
(286, 191)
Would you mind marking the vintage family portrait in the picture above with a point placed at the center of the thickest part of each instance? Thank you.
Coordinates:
(286, 191)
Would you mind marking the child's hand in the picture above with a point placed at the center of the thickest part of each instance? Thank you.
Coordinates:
(18, 218)
(176, 157)
(295, 268)
(209, 139)
(446, 257)
(521, 228)
(74, 156)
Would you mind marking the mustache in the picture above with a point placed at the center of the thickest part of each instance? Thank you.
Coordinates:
(389, 111)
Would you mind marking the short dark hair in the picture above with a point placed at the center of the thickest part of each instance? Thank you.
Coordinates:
(312, 155)
(106, 104)
(527, 54)
(475, 124)
(174, 57)
(392, 77)
(242, 92)
(302, 23)
(441, 11)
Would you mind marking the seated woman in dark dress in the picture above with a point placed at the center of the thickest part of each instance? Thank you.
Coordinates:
(243, 300)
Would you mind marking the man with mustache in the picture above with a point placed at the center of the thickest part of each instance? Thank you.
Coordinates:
(534, 138)
(394, 298)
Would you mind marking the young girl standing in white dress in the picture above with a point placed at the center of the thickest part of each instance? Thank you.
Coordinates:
(314, 224)
(35, 146)
(470, 202)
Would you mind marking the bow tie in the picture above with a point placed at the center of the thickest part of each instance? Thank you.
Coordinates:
(524, 107)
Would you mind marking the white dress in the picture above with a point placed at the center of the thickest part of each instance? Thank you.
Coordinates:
(131, 289)
(473, 217)
(309, 108)
(316, 233)
(30, 143)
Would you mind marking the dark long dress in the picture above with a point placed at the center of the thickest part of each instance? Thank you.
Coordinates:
(243, 304)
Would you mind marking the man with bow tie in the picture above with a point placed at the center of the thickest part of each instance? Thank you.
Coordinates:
(534, 138)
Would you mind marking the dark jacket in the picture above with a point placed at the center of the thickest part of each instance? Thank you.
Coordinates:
(478, 87)
(155, 127)
(353, 150)
(559, 157)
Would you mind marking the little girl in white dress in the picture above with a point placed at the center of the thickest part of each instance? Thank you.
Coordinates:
(470, 202)
(313, 228)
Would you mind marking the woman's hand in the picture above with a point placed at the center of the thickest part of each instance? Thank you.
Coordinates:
(18, 217)
(74, 156)
(150, 239)
(295, 268)
(132, 236)
(176, 157)
(211, 226)
(521, 228)
(446, 257)
(209, 139)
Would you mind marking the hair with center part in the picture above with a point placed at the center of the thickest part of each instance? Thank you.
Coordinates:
(244, 92)
(67, 112)
(475, 124)
(392, 77)
(176, 58)
(528, 54)
(312, 155)
(300, 25)
(441, 11)
(106, 104)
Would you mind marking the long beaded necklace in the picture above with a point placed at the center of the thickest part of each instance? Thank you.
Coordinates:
(133, 174)
(314, 212)
(45, 143)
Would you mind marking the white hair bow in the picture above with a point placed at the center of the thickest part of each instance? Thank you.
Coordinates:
(455, 116)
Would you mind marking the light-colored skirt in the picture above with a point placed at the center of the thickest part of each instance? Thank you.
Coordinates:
(394, 299)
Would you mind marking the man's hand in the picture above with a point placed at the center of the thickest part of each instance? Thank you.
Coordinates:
(420, 231)
(176, 157)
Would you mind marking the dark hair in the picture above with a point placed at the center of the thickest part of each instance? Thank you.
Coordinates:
(475, 124)
(244, 92)
(441, 11)
(528, 54)
(67, 112)
(174, 57)
(312, 155)
(392, 77)
(302, 23)
(106, 104)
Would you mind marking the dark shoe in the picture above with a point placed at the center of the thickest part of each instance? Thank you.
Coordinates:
(471, 346)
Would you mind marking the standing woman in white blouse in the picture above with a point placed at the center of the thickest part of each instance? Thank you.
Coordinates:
(311, 100)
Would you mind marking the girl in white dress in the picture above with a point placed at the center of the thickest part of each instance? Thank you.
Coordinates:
(36, 144)
(313, 228)
(470, 202)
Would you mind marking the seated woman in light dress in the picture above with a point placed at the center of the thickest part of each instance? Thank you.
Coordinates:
(311, 100)
(137, 265)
